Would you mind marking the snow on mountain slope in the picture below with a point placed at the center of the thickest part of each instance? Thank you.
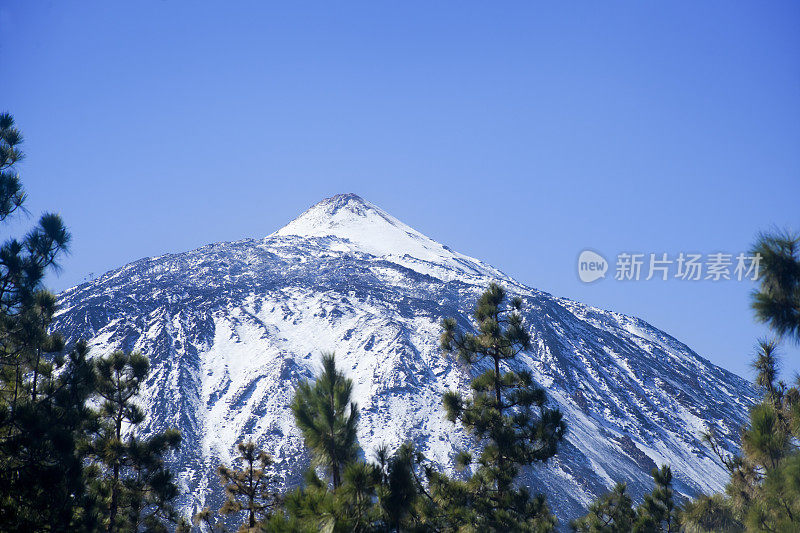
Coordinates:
(360, 226)
(230, 328)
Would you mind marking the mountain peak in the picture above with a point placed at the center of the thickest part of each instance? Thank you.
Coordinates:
(347, 216)
(359, 225)
(342, 200)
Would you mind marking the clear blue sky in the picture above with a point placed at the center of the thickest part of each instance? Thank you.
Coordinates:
(518, 133)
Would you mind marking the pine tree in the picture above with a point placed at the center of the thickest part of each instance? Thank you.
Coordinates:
(778, 507)
(612, 513)
(357, 497)
(44, 420)
(151, 488)
(762, 494)
(23, 264)
(708, 514)
(400, 489)
(766, 367)
(12, 195)
(777, 302)
(120, 376)
(25, 308)
(328, 419)
(507, 413)
(43, 477)
(134, 482)
(658, 512)
(350, 508)
(248, 488)
(210, 520)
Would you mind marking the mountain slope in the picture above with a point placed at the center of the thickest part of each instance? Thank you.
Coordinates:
(230, 328)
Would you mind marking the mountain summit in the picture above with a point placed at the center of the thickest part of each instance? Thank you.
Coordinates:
(361, 226)
(340, 216)
(231, 328)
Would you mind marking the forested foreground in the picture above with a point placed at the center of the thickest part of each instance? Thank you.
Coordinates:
(72, 460)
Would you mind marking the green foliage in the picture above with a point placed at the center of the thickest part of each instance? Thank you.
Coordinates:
(328, 419)
(42, 479)
(507, 413)
(707, 514)
(24, 261)
(615, 513)
(765, 442)
(207, 519)
(766, 367)
(764, 488)
(386, 495)
(779, 506)
(658, 511)
(44, 420)
(132, 483)
(612, 513)
(249, 488)
(12, 195)
(777, 302)
(400, 488)
(351, 507)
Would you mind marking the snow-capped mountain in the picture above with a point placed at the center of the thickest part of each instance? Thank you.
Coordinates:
(230, 328)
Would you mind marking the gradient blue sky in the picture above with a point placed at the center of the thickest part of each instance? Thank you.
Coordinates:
(518, 133)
